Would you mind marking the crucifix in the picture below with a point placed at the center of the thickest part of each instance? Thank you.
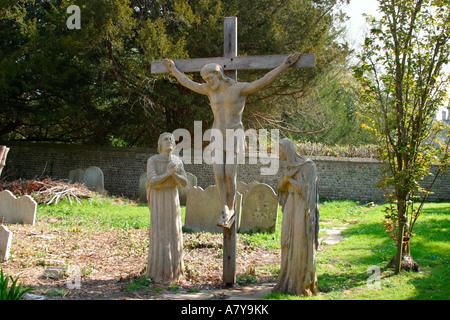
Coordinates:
(227, 98)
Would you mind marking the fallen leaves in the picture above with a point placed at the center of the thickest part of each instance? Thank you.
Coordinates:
(106, 257)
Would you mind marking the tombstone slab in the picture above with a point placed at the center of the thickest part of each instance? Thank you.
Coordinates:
(203, 207)
(243, 187)
(76, 176)
(17, 210)
(259, 209)
(5, 243)
(93, 179)
(182, 192)
(143, 187)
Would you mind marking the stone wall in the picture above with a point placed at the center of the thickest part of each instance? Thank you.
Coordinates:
(121, 166)
(339, 178)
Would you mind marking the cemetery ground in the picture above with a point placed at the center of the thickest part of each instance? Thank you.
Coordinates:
(106, 240)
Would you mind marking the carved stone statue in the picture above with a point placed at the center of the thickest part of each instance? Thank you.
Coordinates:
(298, 196)
(164, 173)
(227, 98)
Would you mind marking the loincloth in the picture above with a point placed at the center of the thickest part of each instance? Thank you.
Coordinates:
(232, 140)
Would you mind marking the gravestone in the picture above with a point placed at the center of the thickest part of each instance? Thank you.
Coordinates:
(259, 209)
(93, 179)
(202, 207)
(76, 176)
(5, 243)
(143, 187)
(192, 182)
(242, 187)
(17, 210)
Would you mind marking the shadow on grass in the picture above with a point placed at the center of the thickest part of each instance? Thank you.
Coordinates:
(430, 248)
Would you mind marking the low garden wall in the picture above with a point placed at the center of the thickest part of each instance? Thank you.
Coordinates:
(339, 178)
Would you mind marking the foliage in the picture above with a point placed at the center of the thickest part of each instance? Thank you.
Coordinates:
(404, 83)
(15, 291)
(301, 101)
(333, 102)
(321, 149)
(58, 84)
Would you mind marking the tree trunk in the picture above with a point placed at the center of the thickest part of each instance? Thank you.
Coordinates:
(3, 152)
(401, 214)
(406, 262)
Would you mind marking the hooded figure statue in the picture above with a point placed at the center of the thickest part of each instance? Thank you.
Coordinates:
(299, 198)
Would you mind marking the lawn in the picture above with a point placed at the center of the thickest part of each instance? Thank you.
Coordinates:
(107, 240)
(345, 269)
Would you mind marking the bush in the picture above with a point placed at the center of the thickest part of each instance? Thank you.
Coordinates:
(15, 291)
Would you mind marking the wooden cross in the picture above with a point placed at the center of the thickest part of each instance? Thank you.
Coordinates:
(230, 63)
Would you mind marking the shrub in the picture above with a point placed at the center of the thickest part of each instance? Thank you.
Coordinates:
(15, 291)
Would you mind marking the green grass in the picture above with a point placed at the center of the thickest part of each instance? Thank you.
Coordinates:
(97, 213)
(341, 268)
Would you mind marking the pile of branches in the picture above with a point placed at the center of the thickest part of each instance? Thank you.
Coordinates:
(48, 191)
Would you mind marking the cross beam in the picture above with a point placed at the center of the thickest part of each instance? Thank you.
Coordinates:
(306, 60)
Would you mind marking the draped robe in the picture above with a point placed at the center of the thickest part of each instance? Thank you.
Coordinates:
(299, 230)
(165, 258)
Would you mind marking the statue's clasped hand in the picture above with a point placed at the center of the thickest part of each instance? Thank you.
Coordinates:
(171, 168)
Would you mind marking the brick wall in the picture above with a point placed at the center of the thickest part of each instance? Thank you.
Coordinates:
(339, 178)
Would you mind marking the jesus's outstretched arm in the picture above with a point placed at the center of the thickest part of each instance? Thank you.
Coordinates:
(270, 77)
(185, 81)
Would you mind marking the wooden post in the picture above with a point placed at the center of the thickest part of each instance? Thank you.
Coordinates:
(230, 43)
(229, 234)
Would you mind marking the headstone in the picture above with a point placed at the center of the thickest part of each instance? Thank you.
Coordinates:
(93, 179)
(202, 207)
(76, 176)
(259, 209)
(143, 187)
(192, 182)
(5, 243)
(17, 210)
(242, 187)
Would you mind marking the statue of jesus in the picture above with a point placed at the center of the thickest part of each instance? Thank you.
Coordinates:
(227, 98)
